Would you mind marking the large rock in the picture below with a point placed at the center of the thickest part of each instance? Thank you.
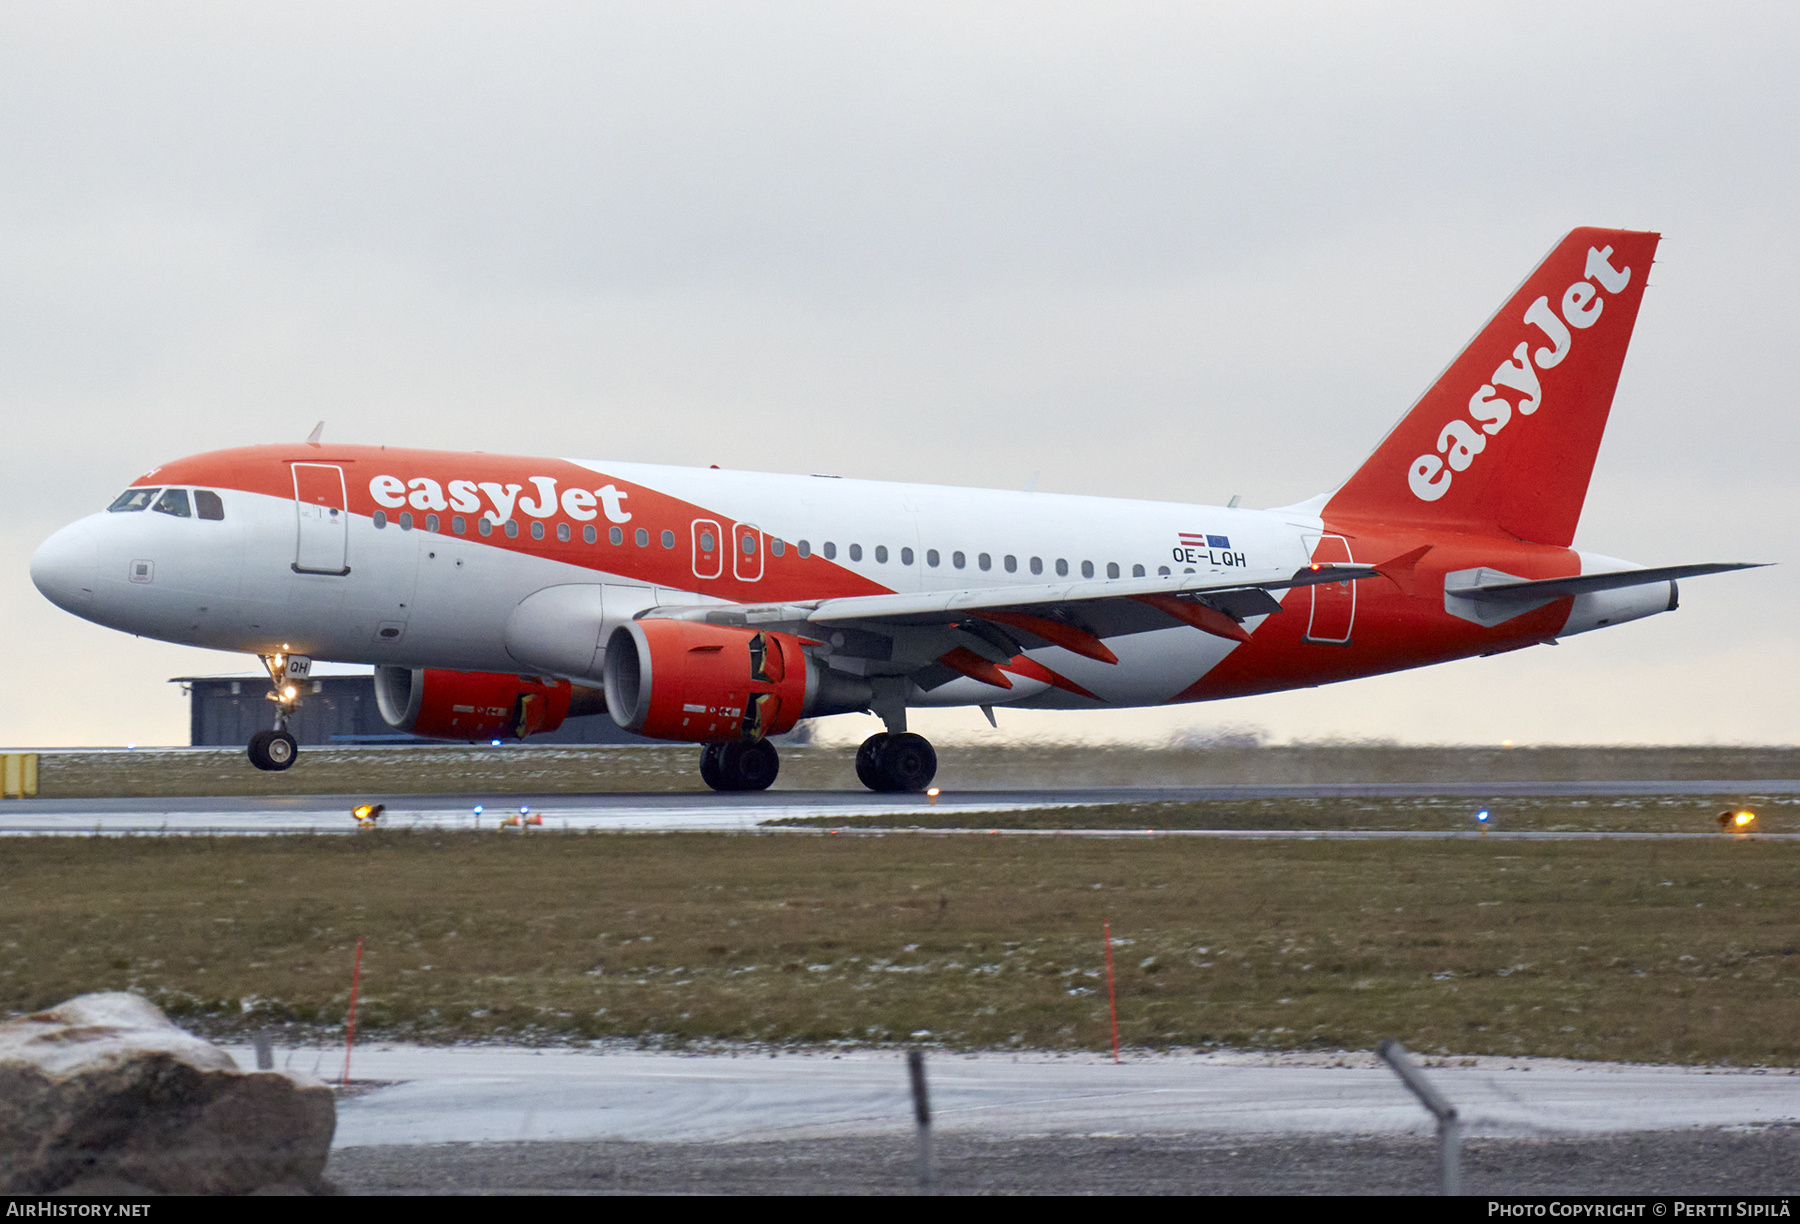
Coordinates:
(104, 1087)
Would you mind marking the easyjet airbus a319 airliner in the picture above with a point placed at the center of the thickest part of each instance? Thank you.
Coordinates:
(497, 595)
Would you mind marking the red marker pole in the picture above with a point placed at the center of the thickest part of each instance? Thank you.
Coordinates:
(355, 982)
(1112, 998)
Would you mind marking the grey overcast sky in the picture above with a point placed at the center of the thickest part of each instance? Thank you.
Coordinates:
(1180, 251)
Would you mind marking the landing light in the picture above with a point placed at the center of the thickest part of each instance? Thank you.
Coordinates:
(932, 795)
(493, 743)
(1741, 821)
(1484, 816)
(290, 692)
(367, 813)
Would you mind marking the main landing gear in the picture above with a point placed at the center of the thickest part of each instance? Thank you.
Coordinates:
(276, 749)
(736, 766)
(896, 763)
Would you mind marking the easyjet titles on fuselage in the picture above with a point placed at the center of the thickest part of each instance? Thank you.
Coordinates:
(424, 493)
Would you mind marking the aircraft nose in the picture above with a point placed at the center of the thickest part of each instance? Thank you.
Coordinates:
(65, 568)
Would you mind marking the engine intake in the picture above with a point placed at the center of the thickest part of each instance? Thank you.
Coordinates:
(687, 680)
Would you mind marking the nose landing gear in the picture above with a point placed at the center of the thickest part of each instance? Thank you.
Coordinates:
(277, 749)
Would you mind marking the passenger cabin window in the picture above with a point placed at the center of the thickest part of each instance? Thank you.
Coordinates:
(1112, 569)
(958, 560)
(643, 538)
(431, 523)
(1087, 569)
(132, 499)
(931, 557)
(485, 525)
(830, 551)
(512, 527)
(1137, 571)
(668, 540)
(175, 502)
(588, 534)
(615, 535)
(805, 547)
(906, 556)
(856, 552)
(1037, 565)
(985, 562)
(1011, 563)
(537, 531)
(562, 532)
(881, 553)
(459, 524)
(1062, 568)
(208, 505)
(777, 547)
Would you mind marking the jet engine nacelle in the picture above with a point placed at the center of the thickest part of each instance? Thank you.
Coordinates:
(688, 680)
(475, 705)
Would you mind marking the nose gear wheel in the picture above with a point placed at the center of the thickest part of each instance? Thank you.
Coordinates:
(273, 750)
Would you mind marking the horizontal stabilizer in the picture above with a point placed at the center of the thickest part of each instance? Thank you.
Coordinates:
(1519, 590)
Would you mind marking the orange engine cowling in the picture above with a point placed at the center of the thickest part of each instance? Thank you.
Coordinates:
(686, 680)
(470, 705)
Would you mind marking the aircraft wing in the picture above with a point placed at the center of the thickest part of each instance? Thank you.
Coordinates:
(976, 631)
(1240, 597)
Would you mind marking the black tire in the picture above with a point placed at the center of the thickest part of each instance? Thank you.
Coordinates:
(907, 763)
(868, 772)
(749, 767)
(709, 767)
(273, 751)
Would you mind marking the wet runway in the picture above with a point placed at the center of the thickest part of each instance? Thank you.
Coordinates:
(703, 811)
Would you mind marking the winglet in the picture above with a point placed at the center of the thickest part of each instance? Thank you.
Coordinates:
(312, 439)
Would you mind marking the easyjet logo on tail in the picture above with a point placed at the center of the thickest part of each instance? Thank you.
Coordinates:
(1460, 441)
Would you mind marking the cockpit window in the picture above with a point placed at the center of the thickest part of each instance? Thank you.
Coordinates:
(208, 504)
(173, 501)
(132, 499)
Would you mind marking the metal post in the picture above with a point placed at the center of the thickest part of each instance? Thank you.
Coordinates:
(350, 1034)
(915, 1063)
(1449, 1126)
